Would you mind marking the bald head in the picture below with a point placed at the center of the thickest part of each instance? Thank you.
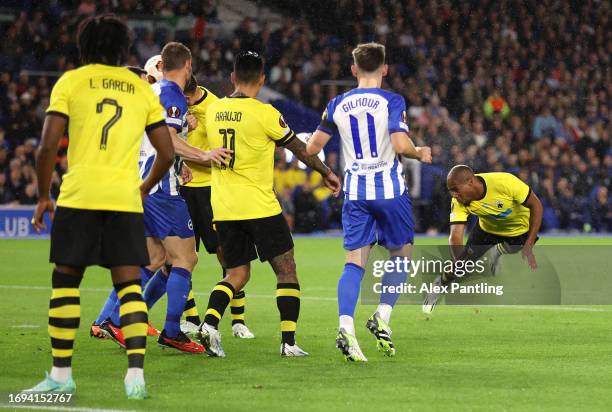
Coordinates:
(463, 185)
(460, 174)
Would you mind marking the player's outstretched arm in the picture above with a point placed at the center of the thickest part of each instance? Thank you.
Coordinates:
(402, 144)
(317, 142)
(196, 155)
(535, 221)
(455, 239)
(161, 141)
(298, 148)
(53, 130)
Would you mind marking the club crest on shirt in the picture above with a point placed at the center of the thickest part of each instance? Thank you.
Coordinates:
(499, 204)
(173, 111)
(282, 122)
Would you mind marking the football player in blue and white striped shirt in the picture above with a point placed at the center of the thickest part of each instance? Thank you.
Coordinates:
(372, 126)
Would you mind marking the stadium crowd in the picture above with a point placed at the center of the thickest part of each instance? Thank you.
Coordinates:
(524, 87)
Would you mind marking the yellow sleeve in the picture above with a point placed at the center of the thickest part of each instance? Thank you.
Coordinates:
(276, 128)
(518, 189)
(60, 96)
(156, 115)
(458, 213)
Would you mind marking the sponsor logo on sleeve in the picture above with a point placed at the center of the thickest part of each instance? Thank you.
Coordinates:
(173, 111)
(282, 122)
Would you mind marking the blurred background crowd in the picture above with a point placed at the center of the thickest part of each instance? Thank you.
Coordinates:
(523, 87)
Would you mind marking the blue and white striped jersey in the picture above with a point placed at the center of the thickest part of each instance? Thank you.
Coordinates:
(365, 118)
(172, 98)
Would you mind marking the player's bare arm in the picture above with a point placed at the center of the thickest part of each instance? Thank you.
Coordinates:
(402, 144)
(455, 239)
(317, 142)
(53, 130)
(160, 139)
(535, 220)
(298, 148)
(198, 156)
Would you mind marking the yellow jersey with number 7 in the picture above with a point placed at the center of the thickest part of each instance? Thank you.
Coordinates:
(108, 109)
(243, 189)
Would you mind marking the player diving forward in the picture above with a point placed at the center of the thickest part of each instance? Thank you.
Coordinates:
(373, 131)
(246, 212)
(99, 218)
(509, 218)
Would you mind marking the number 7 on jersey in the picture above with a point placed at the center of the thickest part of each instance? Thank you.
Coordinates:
(112, 120)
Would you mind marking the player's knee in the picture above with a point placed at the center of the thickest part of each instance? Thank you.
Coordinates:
(191, 260)
(354, 257)
(70, 270)
(157, 260)
(238, 279)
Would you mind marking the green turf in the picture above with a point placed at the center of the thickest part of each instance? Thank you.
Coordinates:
(460, 358)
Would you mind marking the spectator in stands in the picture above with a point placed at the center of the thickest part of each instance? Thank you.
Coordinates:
(483, 85)
(600, 211)
(147, 47)
(6, 195)
(546, 124)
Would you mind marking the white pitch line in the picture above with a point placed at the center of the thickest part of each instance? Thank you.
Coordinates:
(333, 299)
(25, 326)
(60, 408)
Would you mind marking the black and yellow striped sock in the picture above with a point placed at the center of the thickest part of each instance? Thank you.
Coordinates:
(237, 307)
(288, 303)
(503, 248)
(220, 297)
(191, 310)
(134, 319)
(64, 316)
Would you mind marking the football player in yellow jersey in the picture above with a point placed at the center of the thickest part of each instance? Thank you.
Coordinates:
(99, 215)
(509, 218)
(197, 195)
(247, 214)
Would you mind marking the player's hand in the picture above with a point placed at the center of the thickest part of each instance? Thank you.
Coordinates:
(527, 254)
(192, 122)
(332, 182)
(220, 155)
(43, 205)
(424, 154)
(186, 175)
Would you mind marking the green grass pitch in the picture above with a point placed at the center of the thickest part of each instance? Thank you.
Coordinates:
(459, 358)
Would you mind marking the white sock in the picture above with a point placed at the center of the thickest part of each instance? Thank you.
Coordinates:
(61, 375)
(134, 374)
(384, 311)
(346, 323)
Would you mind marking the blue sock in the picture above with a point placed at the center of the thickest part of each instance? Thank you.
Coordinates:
(179, 283)
(107, 309)
(348, 289)
(145, 275)
(155, 289)
(393, 278)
